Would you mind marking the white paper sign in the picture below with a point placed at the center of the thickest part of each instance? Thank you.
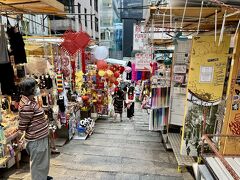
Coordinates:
(143, 61)
(206, 74)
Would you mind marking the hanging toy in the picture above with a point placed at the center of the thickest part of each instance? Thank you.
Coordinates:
(59, 82)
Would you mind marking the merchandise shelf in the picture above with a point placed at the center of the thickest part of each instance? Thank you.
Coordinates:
(10, 138)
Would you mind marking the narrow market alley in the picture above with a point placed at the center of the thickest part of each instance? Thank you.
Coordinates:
(124, 151)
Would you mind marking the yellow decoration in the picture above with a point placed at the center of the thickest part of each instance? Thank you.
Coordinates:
(231, 123)
(109, 72)
(207, 73)
(101, 73)
(79, 79)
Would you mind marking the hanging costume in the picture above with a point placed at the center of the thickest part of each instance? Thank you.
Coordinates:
(6, 70)
(16, 44)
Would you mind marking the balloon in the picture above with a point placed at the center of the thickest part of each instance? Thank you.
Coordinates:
(110, 73)
(116, 74)
(128, 69)
(116, 83)
(101, 64)
(101, 73)
(101, 52)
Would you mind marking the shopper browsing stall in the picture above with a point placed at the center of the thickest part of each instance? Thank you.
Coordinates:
(33, 122)
(130, 98)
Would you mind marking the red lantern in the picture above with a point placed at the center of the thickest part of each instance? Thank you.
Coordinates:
(117, 66)
(101, 64)
(121, 69)
(106, 75)
(112, 79)
(116, 83)
(112, 69)
(116, 74)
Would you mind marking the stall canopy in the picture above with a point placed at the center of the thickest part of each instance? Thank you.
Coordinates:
(31, 6)
(185, 15)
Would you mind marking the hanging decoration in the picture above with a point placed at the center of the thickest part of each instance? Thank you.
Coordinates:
(112, 79)
(68, 44)
(109, 73)
(83, 60)
(75, 41)
(101, 73)
(116, 83)
(116, 74)
(121, 69)
(82, 39)
(102, 65)
(73, 66)
(59, 82)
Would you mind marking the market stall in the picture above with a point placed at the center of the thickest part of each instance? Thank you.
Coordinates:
(202, 61)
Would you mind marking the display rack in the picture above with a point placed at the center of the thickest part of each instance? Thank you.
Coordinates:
(160, 98)
(8, 159)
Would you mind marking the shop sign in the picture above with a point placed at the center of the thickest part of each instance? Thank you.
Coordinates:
(143, 61)
(139, 37)
(180, 69)
(178, 78)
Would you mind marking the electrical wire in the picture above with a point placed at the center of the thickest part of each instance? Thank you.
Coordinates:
(199, 22)
(216, 13)
(184, 11)
(222, 30)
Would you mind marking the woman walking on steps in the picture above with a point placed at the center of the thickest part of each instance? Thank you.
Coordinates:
(130, 102)
(118, 103)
